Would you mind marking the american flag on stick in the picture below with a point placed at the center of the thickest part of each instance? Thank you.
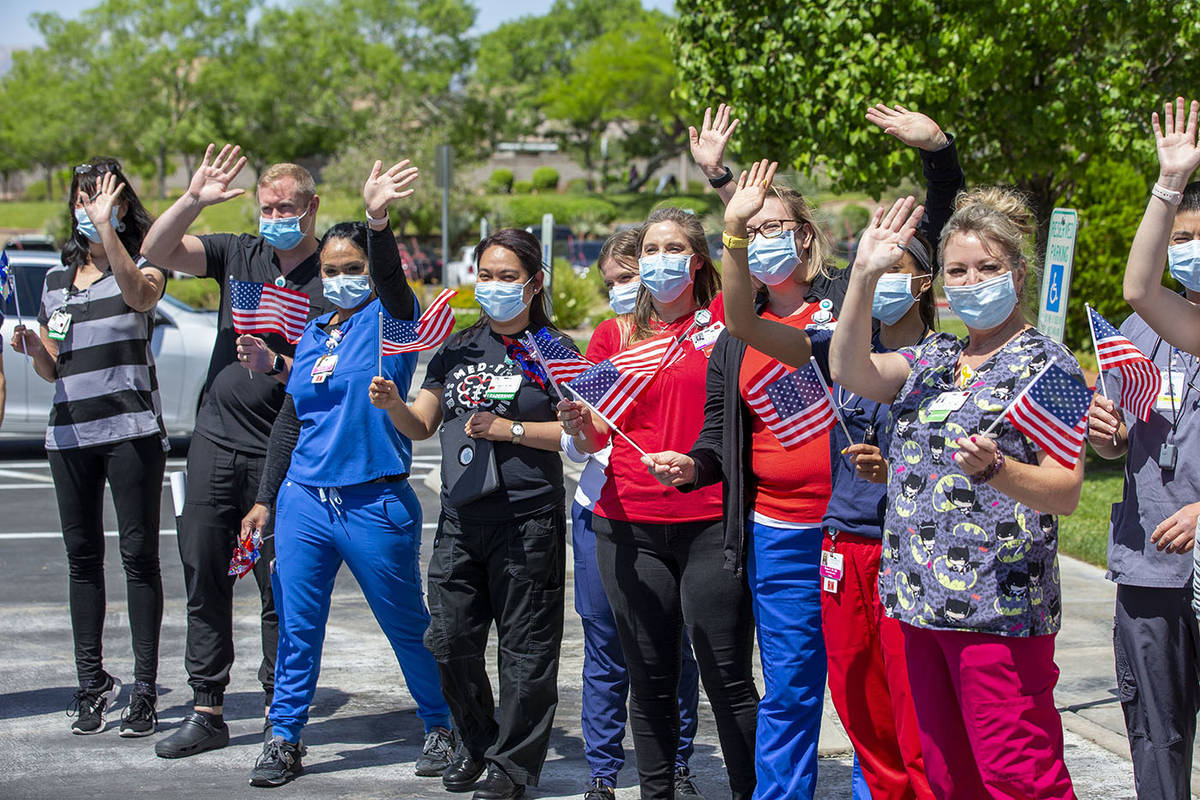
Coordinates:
(266, 308)
(560, 362)
(430, 330)
(611, 386)
(794, 404)
(1140, 378)
(1052, 412)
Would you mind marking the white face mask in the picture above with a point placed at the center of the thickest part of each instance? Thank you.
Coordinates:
(624, 297)
(346, 291)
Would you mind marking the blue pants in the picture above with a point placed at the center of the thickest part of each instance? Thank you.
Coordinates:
(376, 529)
(605, 678)
(783, 568)
(858, 784)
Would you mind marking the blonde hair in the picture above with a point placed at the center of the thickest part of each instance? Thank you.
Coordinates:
(306, 187)
(820, 250)
(1002, 218)
(706, 285)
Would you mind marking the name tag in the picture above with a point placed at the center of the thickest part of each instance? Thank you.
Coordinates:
(58, 324)
(1172, 390)
(832, 570)
(944, 405)
(707, 337)
(503, 387)
(324, 367)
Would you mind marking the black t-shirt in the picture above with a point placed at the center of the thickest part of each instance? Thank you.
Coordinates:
(238, 411)
(531, 480)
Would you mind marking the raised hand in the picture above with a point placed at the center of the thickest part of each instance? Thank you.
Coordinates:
(99, 206)
(709, 143)
(880, 247)
(1175, 139)
(911, 127)
(382, 188)
(210, 183)
(747, 200)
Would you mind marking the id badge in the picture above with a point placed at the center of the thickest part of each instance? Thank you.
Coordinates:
(503, 387)
(831, 571)
(945, 404)
(705, 338)
(1172, 390)
(324, 367)
(58, 324)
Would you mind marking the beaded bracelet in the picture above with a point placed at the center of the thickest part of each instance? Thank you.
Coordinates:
(992, 469)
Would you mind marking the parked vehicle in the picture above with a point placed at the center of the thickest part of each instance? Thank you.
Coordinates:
(182, 344)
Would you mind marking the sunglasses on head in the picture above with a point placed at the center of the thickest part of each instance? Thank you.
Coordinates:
(84, 169)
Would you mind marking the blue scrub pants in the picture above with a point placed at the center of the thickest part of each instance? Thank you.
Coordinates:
(376, 529)
(784, 578)
(605, 676)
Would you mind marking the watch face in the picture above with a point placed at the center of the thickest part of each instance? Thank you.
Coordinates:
(518, 429)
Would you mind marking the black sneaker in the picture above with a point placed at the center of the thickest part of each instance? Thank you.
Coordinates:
(140, 717)
(278, 764)
(90, 707)
(599, 790)
(684, 785)
(437, 753)
(197, 733)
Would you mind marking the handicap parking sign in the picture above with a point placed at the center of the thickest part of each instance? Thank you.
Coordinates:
(1056, 280)
(1054, 289)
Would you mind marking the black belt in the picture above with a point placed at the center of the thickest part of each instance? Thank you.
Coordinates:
(403, 476)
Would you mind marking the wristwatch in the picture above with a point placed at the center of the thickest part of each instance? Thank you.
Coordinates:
(277, 365)
(721, 179)
(518, 432)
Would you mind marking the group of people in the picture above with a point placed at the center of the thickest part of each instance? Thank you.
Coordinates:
(908, 556)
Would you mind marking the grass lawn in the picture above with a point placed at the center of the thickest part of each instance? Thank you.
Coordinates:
(1084, 534)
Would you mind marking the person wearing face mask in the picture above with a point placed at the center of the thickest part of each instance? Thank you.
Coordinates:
(970, 570)
(867, 679)
(663, 558)
(499, 551)
(233, 424)
(354, 505)
(1156, 640)
(605, 677)
(94, 345)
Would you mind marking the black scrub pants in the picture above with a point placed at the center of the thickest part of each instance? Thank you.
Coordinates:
(221, 487)
(510, 573)
(134, 471)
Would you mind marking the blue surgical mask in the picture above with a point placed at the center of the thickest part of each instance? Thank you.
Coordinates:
(893, 297)
(282, 233)
(501, 300)
(1184, 263)
(346, 291)
(624, 297)
(984, 305)
(773, 260)
(84, 224)
(666, 275)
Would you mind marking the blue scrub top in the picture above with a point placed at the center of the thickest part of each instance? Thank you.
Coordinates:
(344, 439)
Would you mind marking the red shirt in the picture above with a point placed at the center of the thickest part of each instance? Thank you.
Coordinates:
(668, 415)
(792, 485)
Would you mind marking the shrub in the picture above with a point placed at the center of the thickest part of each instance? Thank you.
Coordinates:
(516, 211)
(500, 181)
(575, 296)
(196, 292)
(578, 186)
(852, 219)
(522, 187)
(545, 179)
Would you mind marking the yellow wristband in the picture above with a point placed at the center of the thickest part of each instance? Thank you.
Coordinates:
(735, 242)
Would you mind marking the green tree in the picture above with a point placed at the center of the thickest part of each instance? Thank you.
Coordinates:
(1034, 91)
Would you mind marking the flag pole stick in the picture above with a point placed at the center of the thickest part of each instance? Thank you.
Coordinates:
(1017, 399)
(379, 369)
(532, 346)
(836, 411)
(607, 421)
(12, 281)
(1100, 372)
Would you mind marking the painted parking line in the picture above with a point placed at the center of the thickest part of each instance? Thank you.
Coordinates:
(24, 475)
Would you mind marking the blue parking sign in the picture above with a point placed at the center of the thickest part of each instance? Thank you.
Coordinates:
(1054, 291)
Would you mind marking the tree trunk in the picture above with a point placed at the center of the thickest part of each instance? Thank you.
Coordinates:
(162, 170)
(49, 169)
(652, 166)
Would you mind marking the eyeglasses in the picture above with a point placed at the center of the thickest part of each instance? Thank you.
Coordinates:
(84, 169)
(769, 229)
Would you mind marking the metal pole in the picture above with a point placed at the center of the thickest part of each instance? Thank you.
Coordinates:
(548, 260)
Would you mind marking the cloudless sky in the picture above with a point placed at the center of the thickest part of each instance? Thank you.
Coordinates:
(17, 32)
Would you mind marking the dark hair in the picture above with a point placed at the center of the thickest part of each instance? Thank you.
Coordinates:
(134, 224)
(621, 245)
(707, 283)
(529, 252)
(1191, 198)
(926, 303)
(355, 232)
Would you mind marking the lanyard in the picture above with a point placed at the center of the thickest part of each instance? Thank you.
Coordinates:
(1176, 406)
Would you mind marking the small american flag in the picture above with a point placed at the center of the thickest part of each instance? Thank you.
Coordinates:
(407, 336)
(611, 386)
(265, 308)
(5, 278)
(1140, 378)
(563, 363)
(793, 403)
(1052, 412)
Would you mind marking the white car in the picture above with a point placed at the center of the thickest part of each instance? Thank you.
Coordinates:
(183, 342)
